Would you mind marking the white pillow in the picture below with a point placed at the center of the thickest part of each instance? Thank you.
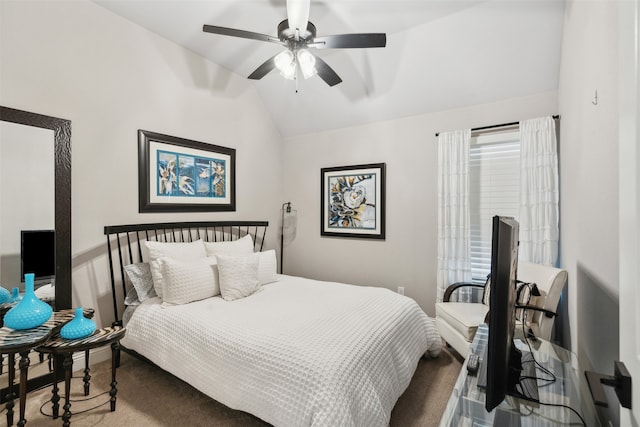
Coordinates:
(238, 275)
(267, 268)
(139, 276)
(188, 281)
(242, 246)
(180, 251)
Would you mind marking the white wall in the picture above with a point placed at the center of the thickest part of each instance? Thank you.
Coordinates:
(589, 147)
(77, 61)
(408, 146)
(589, 180)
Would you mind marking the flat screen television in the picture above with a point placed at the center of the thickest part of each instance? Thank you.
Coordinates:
(503, 359)
(38, 254)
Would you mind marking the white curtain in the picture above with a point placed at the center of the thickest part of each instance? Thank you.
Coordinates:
(454, 249)
(539, 191)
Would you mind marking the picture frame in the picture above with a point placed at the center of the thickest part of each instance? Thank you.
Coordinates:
(352, 201)
(182, 175)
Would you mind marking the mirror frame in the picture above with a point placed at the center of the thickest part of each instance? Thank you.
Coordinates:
(62, 185)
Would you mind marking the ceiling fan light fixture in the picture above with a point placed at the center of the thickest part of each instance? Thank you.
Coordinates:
(296, 34)
(285, 62)
(307, 63)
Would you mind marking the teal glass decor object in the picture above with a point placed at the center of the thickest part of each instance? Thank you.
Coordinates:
(78, 327)
(30, 312)
(5, 295)
(15, 295)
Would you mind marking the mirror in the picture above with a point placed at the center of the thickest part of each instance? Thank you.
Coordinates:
(28, 127)
(60, 139)
(26, 195)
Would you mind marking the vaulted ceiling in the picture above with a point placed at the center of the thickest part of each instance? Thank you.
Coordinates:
(440, 54)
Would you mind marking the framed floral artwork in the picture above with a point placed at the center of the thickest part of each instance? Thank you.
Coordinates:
(353, 201)
(181, 175)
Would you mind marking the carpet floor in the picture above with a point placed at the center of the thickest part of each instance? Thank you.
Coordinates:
(148, 396)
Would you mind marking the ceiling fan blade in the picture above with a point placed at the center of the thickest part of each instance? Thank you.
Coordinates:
(298, 14)
(341, 41)
(326, 73)
(264, 69)
(240, 33)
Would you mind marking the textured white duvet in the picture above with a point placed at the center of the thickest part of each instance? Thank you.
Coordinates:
(297, 353)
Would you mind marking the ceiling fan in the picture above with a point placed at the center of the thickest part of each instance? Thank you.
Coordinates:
(298, 35)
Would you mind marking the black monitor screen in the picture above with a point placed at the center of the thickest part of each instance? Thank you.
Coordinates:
(503, 364)
(37, 254)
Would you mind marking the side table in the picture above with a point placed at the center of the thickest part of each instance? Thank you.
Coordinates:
(5, 307)
(21, 342)
(61, 346)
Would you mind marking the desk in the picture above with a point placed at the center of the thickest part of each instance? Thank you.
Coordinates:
(21, 342)
(466, 404)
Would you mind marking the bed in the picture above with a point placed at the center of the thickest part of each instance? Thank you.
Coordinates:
(293, 352)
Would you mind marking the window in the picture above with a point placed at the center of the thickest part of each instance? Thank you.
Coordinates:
(494, 179)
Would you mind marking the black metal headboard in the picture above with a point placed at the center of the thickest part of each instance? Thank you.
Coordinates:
(127, 241)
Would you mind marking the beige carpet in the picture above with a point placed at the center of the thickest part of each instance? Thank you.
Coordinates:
(148, 396)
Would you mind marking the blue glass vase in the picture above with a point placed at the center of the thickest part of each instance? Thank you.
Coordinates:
(30, 312)
(78, 327)
(15, 295)
(5, 295)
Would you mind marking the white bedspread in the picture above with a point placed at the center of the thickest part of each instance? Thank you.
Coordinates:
(297, 353)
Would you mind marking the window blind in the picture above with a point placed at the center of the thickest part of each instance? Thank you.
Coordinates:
(494, 179)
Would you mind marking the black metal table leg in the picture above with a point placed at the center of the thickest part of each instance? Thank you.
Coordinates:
(115, 350)
(55, 396)
(24, 375)
(87, 378)
(68, 365)
(12, 391)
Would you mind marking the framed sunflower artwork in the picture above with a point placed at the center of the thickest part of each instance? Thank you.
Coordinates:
(353, 201)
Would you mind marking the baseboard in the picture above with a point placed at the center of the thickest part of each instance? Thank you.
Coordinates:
(96, 355)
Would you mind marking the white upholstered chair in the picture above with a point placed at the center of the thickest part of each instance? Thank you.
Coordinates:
(457, 321)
